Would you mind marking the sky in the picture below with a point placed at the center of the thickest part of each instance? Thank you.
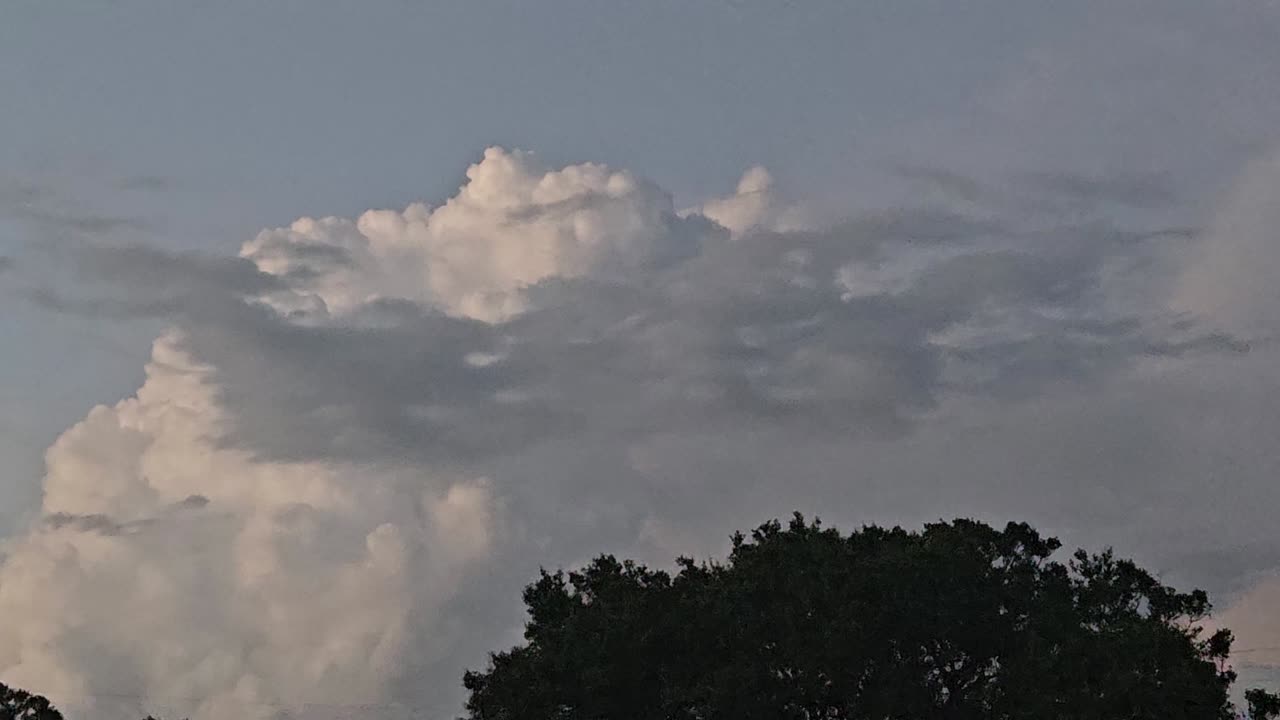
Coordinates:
(353, 315)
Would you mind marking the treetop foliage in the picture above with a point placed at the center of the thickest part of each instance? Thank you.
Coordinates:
(959, 620)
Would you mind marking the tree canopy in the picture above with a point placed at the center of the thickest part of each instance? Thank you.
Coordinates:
(18, 704)
(960, 621)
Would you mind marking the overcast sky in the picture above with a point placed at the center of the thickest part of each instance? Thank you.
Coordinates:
(327, 324)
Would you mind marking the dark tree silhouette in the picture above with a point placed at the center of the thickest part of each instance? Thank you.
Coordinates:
(958, 621)
(1262, 705)
(18, 704)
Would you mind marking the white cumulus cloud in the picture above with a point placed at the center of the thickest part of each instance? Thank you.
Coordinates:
(169, 566)
(513, 224)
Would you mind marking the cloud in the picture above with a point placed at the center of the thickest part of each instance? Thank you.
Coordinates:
(1228, 280)
(750, 206)
(362, 436)
(1252, 616)
(1159, 101)
(513, 224)
(855, 329)
(63, 221)
(173, 566)
(1144, 191)
(1230, 277)
(755, 206)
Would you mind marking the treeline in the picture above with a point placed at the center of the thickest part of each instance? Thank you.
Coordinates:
(959, 621)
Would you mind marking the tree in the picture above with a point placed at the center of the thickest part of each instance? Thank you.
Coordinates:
(18, 704)
(957, 621)
(1262, 704)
